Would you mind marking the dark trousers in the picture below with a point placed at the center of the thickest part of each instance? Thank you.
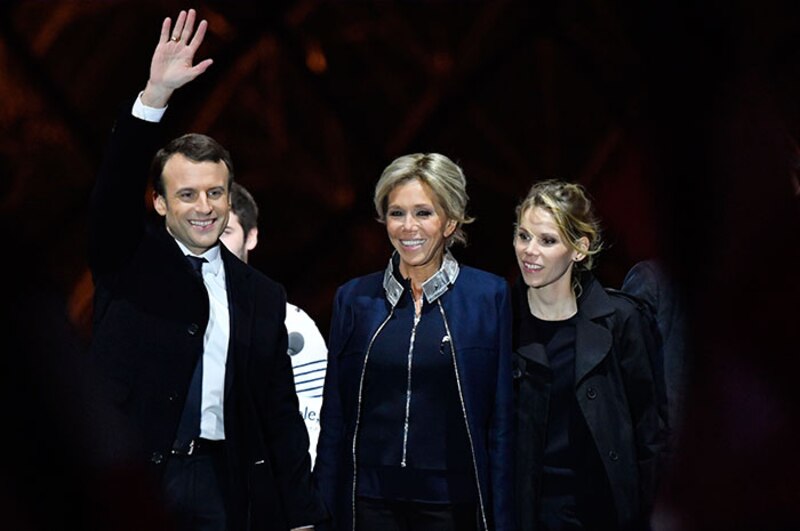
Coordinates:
(192, 487)
(559, 513)
(568, 512)
(390, 515)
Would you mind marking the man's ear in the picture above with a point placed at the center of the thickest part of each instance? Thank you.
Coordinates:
(251, 239)
(160, 204)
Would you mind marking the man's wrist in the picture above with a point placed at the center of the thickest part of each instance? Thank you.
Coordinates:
(156, 96)
(145, 112)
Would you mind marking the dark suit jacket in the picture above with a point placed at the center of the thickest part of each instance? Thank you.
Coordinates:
(648, 281)
(149, 320)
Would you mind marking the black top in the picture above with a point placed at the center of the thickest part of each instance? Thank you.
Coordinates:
(566, 429)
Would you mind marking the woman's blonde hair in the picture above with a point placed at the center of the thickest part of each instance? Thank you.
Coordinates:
(441, 175)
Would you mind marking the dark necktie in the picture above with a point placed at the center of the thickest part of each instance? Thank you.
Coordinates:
(197, 265)
(189, 427)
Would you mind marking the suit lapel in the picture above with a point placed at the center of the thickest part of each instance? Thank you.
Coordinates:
(241, 303)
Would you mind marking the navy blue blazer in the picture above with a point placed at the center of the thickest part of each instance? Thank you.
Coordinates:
(478, 312)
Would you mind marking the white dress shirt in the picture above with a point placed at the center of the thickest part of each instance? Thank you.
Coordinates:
(215, 344)
(215, 341)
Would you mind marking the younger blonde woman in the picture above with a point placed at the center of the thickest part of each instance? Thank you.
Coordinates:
(588, 431)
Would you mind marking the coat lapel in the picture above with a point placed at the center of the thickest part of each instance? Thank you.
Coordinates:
(241, 303)
(592, 340)
(534, 352)
(592, 345)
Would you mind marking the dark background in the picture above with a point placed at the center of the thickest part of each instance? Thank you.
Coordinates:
(678, 117)
(315, 99)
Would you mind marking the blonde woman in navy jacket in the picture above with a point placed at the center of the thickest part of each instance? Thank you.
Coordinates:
(417, 408)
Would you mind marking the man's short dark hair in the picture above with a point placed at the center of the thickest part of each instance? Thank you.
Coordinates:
(195, 147)
(245, 207)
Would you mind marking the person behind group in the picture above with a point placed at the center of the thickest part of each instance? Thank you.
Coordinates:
(306, 344)
(417, 407)
(588, 428)
(651, 282)
(189, 342)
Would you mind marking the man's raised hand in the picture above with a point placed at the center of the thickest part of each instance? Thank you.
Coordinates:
(171, 66)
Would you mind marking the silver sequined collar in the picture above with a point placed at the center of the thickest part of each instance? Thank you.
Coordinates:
(433, 288)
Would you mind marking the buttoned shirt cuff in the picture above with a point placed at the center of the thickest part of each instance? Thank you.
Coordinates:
(148, 114)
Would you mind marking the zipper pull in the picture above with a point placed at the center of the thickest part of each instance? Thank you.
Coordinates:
(444, 346)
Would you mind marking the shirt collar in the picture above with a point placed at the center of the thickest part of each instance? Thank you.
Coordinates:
(433, 288)
(212, 256)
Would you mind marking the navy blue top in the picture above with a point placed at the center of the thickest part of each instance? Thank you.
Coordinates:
(478, 311)
(437, 455)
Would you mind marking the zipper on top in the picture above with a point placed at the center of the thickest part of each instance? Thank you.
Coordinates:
(464, 412)
(358, 413)
(403, 461)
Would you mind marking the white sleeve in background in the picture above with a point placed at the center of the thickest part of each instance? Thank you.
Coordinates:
(148, 114)
(309, 356)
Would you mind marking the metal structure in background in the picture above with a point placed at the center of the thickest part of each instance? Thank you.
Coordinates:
(315, 98)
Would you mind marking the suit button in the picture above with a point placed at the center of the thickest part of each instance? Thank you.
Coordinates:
(591, 394)
(613, 455)
(157, 458)
(517, 373)
(173, 396)
(193, 328)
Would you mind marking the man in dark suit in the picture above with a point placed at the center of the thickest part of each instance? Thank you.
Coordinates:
(189, 341)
